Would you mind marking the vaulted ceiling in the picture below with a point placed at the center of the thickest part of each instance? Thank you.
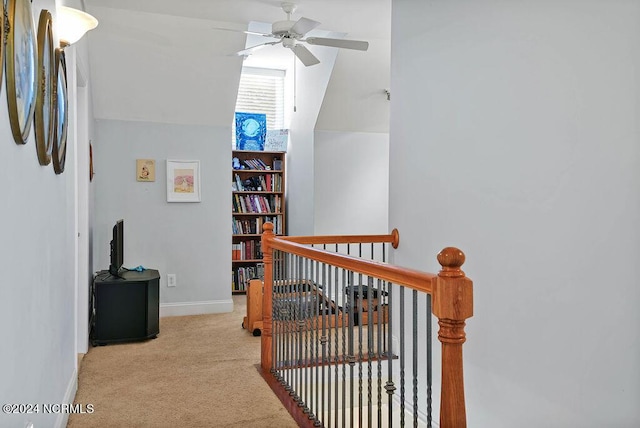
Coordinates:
(165, 60)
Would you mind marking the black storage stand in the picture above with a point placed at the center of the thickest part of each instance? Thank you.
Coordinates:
(125, 308)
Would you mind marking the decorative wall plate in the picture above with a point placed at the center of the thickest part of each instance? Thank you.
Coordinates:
(21, 68)
(91, 172)
(3, 15)
(61, 113)
(44, 115)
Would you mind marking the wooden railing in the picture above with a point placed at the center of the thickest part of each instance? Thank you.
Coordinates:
(450, 289)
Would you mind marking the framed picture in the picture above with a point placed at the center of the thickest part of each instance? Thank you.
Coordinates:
(44, 120)
(3, 27)
(61, 101)
(277, 140)
(91, 171)
(21, 68)
(251, 130)
(145, 170)
(183, 181)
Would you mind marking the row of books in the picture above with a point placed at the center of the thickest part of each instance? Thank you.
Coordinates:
(257, 204)
(260, 183)
(253, 226)
(246, 250)
(240, 277)
(254, 164)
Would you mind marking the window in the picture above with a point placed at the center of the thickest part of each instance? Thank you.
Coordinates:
(261, 90)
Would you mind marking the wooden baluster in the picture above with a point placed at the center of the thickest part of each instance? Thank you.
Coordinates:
(267, 302)
(452, 304)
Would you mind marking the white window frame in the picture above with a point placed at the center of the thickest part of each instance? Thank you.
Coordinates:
(262, 90)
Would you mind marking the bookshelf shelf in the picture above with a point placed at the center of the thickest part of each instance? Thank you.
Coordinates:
(262, 214)
(258, 196)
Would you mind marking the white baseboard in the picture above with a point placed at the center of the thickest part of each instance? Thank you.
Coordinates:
(195, 308)
(69, 396)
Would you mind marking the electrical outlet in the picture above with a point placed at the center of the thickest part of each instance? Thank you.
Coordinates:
(171, 280)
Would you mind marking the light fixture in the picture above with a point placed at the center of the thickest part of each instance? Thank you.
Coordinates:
(72, 24)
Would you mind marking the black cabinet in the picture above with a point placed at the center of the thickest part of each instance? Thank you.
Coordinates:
(125, 308)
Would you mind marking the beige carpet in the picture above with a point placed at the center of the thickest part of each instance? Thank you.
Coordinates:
(199, 372)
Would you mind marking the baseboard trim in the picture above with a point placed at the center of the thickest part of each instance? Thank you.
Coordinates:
(69, 397)
(195, 308)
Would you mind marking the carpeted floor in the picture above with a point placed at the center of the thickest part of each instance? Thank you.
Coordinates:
(201, 371)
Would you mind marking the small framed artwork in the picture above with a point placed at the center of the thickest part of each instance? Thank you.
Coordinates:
(277, 140)
(251, 130)
(183, 181)
(145, 170)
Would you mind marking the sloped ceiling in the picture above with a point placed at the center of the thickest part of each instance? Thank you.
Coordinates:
(169, 61)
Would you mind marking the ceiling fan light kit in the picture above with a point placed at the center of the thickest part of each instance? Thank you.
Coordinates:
(291, 33)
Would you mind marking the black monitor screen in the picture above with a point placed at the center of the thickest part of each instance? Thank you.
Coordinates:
(117, 248)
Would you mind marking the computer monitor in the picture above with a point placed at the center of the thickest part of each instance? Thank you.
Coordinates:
(117, 248)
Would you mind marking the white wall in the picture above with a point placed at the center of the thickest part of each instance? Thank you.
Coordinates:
(191, 240)
(160, 68)
(311, 84)
(180, 70)
(37, 296)
(351, 183)
(514, 136)
(165, 90)
(355, 100)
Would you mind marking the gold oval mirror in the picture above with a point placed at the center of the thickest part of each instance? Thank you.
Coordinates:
(21, 68)
(44, 119)
(59, 153)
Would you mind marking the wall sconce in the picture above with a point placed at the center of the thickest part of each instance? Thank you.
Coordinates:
(72, 24)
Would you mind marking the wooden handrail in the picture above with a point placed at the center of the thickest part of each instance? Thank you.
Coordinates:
(393, 238)
(452, 295)
(412, 278)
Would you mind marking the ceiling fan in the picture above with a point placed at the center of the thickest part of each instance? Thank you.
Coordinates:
(292, 34)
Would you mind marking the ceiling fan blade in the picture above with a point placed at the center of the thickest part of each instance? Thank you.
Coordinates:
(303, 26)
(305, 55)
(252, 49)
(338, 43)
(255, 33)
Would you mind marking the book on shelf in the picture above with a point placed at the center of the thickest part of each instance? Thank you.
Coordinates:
(246, 250)
(277, 164)
(259, 183)
(242, 276)
(255, 164)
(256, 204)
(243, 226)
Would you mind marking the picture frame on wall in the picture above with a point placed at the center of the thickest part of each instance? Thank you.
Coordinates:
(21, 58)
(145, 170)
(61, 101)
(251, 131)
(91, 171)
(277, 140)
(183, 180)
(44, 120)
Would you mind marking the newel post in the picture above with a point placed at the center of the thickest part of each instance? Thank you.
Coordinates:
(267, 303)
(452, 304)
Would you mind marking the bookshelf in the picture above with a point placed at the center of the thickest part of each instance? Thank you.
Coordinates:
(258, 196)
